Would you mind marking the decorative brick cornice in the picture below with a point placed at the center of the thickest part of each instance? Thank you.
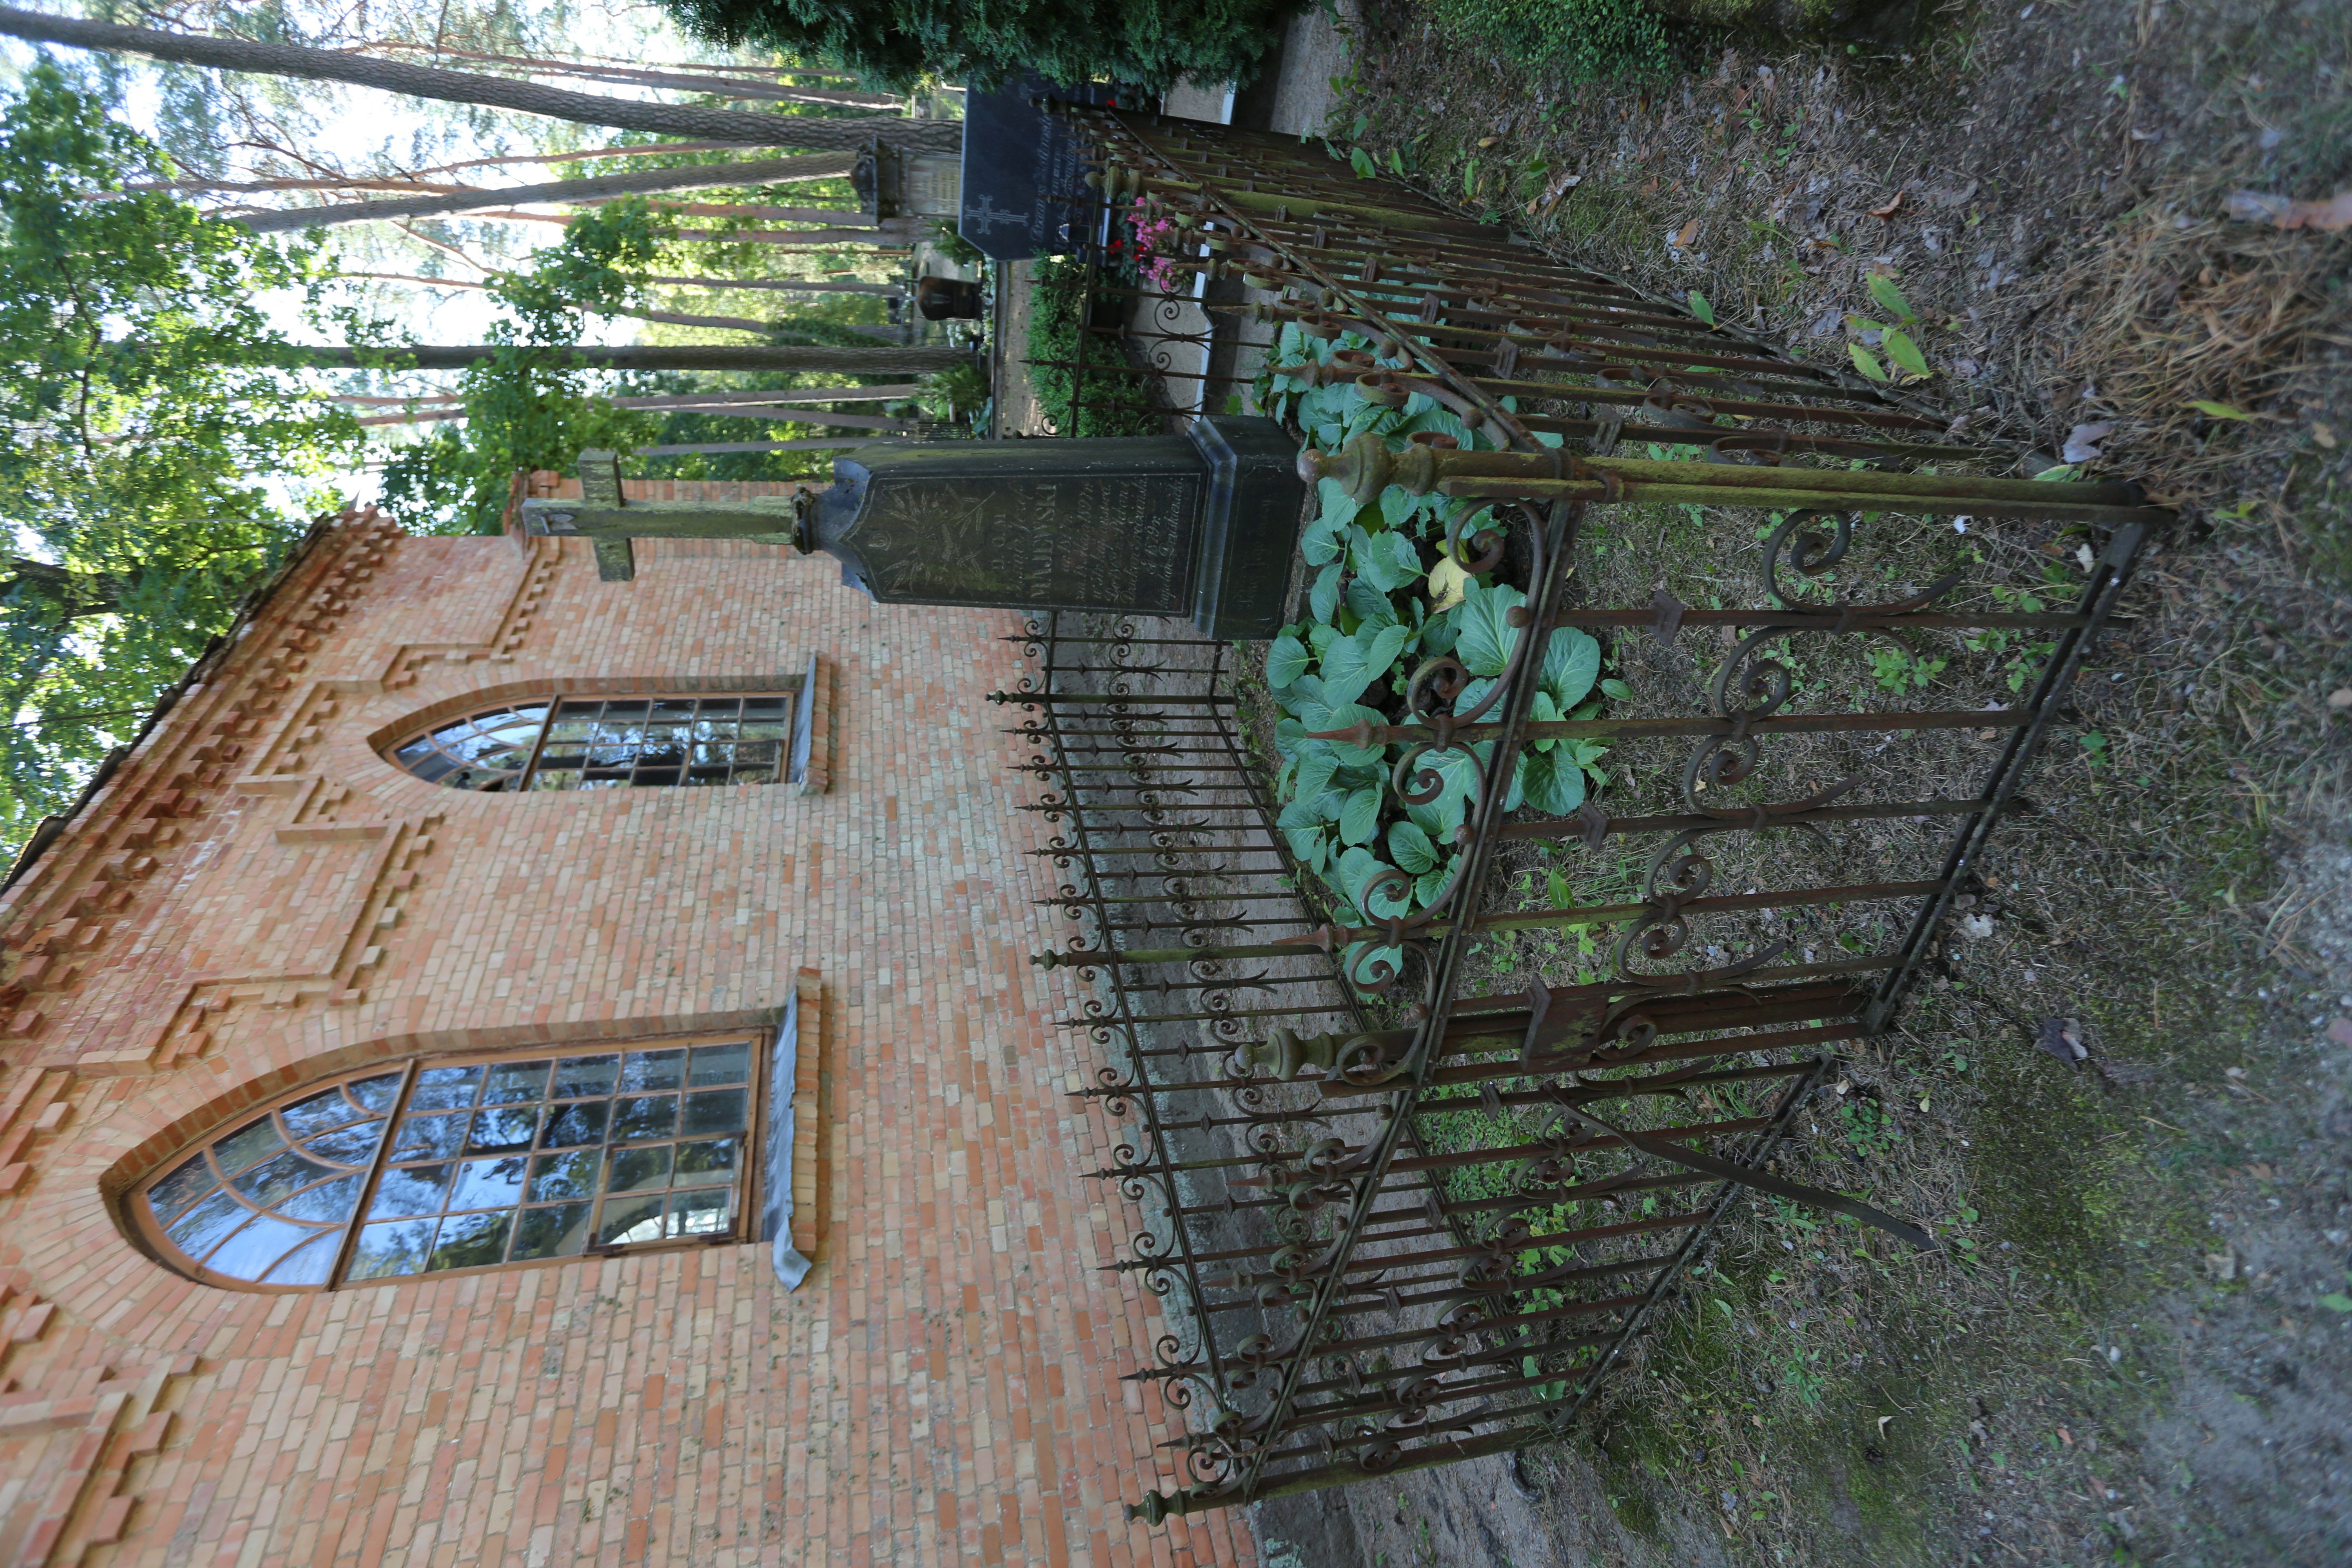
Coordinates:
(67, 906)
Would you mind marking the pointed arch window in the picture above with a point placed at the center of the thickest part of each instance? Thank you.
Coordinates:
(629, 742)
(445, 1164)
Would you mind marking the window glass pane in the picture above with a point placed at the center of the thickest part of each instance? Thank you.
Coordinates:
(516, 1083)
(712, 1160)
(578, 707)
(375, 1094)
(507, 1128)
(556, 778)
(386, 1250)
(410, 1189)
(249, 1146)
(653, 1069)
(309, 1263)
(754, 775)
(572, 1175)
(559, 1232)
(571, 1126)
(171, 1197)
(634, 1169)
(318, 1113)
(577, 1078)
(248, 1254)
(630, 1220)
(330, 1202)
(719, 1064)
(644, 1116)
(272, 1182)
(205, 1226)
(673, 710)
(488, 1184)
(351, 1146)
(445, 1088)
(716, 1110)
(427, 1137)
(708, 1211)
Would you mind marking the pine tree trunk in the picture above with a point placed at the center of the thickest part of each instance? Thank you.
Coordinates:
(876, 360)
(637, 182)
(794, 285)
(736, 125)
(687, 79)
(806, 236)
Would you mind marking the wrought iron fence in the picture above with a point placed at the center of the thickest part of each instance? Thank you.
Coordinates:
(1401, 1231)
(1142, 353)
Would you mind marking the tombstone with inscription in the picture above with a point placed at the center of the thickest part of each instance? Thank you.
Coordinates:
(1023, 171)
(1199, 525)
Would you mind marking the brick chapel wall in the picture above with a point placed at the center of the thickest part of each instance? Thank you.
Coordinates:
(258, 897)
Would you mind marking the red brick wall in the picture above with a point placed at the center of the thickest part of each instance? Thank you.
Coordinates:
(258, 897)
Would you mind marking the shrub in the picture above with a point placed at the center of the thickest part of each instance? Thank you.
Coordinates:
(1115, 403)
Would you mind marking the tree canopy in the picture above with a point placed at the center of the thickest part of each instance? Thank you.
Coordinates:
(531, 410)
(155, 464)
(1150, 43)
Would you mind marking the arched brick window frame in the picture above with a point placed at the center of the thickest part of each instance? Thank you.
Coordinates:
(446, 1164)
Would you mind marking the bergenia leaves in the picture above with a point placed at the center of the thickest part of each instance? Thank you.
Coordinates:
(1285, 662)
(1410, 848)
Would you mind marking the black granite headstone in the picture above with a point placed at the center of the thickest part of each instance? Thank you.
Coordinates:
(1201, 524)
(1024, 173)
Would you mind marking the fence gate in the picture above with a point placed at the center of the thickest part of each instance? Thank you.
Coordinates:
(1417, 1216)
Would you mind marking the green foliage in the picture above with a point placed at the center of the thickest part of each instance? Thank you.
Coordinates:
(952, 245)
(1868, 1129)
(1115, 405)
(1370, 623)
(899, 43)
(157, 466)
(1898, 670)
(525, 411)
(1586, 40)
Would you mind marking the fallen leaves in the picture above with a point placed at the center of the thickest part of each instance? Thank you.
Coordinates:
(2083, 441)
(2285, 211)
(1889, 209)
(2213, 410)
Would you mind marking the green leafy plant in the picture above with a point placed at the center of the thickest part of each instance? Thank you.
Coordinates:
(1369, 621)
(1867, 1127)
(1899, 669)
(1700, 307)
(2020, 651)
(1059, 303)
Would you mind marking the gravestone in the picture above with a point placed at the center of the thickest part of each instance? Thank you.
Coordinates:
(1023, 171)
(1199, 525)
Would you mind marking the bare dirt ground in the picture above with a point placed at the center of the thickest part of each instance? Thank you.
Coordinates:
(2151, 1359)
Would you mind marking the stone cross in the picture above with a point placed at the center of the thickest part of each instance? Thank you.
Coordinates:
(1202, 524)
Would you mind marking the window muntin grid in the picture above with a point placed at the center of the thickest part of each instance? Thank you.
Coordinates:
(487, 1162)
(607, 743)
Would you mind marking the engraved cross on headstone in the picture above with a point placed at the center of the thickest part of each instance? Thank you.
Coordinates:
(1200, 524)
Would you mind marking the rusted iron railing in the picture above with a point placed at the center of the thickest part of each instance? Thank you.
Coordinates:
(1145, 356)
(1399, 1232)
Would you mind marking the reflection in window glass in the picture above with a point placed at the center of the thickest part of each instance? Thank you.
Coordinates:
(599, 743)
(485, 1164)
